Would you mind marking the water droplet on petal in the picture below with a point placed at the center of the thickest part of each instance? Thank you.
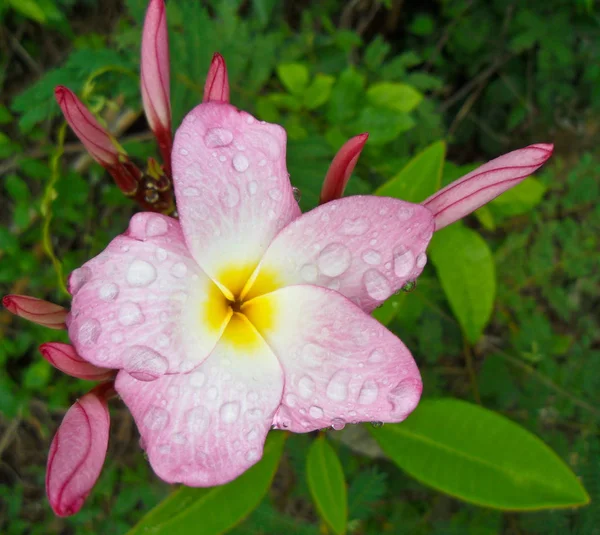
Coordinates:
(421, 260)
(190, 192)
(230, 197)
(218, 137)
(252, 187)
(275, 194)
(144, 364)
(179, 270)
(156, 418)
(371, 257)
(290, 400)
(229, 412)
(161, 254)
(404, 262)
(377, 425)
(297, 194)
(108, 291)
(309, 272)
(197, 420)
(156, 226)
(306, 387)
(404, 397)
(252, 455)
(140, 273)
(313, 355)
(354, 227)
(183, 152)
(376, 356)
(338, 424)
(89, 332)
(240, 162)
(334, 259)
(130, 314)
(405, 212)
(337, 389)
(376, 285)
(78, 278)
(315, 412)
(368, 393)
(409, 286)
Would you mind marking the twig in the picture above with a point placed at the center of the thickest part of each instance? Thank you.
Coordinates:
(471, 371)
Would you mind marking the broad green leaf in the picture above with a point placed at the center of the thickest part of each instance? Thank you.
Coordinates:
(346, 96)
(419, 178)
(327, 484)
(466, 269)
(520, 199)
(294, 76)
(395, 96)
(384, 125)
(319, 91)
(481, 457)
(387, 312)
(214, 510)
(30, 9)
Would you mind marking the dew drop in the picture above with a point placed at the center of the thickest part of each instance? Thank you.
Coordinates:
(306, 387)
(78, 278)
(183, 152)
(404, 397)
(371, 257)
(409, 286)
(108, 291)
(140, 273)
(230, 197)
(275, 194)
(377, 425)
(89, 332)
(252, 455)
(368, 393)
(309, 272)
(421, 260)
(404, 262)
(337, 389)
(179, 270)
(334, 259)
(144, 364)
(297, 194)
(160, 254)
(229, 412)
(252, 187)
(290, 400)
(252, 435)
(338, 424)
(313, 355)
(376, 356)
(354, 227)
(316, 412)
(130, 314)
(405, 212)
(376, 285)
(240, 162)
(218, 137)
(156, 418)
(117, 337)
(197, 420)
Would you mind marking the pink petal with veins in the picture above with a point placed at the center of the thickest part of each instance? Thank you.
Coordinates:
(64, 358)
(341, 168)
(485, 183)
(36, 310)
(216, 87)
(77, 451)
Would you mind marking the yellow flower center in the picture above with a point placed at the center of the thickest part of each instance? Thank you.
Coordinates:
(233, 310)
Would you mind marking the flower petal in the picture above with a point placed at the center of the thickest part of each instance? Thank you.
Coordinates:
(340, 364)
(64, 358)
(341, 168)
(364, 247)
(144, 305)
(36, 310)
(155, 77)
(216, 87)
(206, 427)
(232, 187)
(485, 183)
(77, 452)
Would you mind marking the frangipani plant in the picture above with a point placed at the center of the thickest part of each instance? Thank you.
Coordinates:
(243, 314)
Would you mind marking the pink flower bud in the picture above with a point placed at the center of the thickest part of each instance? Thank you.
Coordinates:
(103, 147)
(155, 78)
(36, 310)
(64, 358)
(485, 183)
(98, 142)
(341, 168)
(78, 450)
(216, 87)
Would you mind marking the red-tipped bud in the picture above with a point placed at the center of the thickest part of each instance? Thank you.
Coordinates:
(155, 78)
(64, 358)
(216, 88)
(78, 451)
(36, 310)
(341, 168)
(485, 183)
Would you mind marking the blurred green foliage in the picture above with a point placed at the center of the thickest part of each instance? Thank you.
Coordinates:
(485, 77)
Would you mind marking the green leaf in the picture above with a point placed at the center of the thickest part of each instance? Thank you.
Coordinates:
(481, 457)
(419, 178)
(327, 484)
(466, 269)
(30, 9)
(214, 510)
(346, 96)
(384, 125)
(319, 91)
(395, 96)
(520, 199)
(294, 76)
